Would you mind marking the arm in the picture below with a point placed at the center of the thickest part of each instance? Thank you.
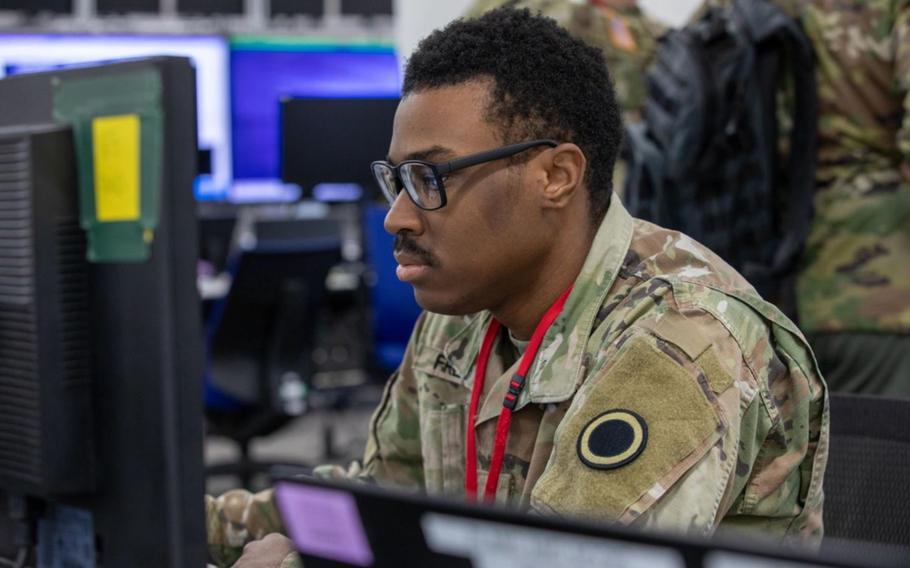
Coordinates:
(239, 517)
(236, 518)
(687, 429)
(731, 444)
(392, 457)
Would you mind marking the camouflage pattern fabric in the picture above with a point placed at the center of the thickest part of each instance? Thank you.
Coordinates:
(856, 270)
(619, 28)
(235, 518)
(856, 275)
(656, 325)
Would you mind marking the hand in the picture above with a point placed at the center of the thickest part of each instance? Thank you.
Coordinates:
(268, 552)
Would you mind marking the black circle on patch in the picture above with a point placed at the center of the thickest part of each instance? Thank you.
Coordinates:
(612, 438)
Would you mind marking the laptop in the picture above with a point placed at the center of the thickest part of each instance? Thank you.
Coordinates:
(342, 523)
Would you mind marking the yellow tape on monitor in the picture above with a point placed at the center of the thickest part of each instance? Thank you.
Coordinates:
(115, 149)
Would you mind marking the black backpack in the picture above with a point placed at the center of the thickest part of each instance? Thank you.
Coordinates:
(706, 159)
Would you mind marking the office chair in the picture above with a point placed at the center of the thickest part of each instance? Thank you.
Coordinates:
(215, 238)
(867, 493)
(260, 339)
(394, 309)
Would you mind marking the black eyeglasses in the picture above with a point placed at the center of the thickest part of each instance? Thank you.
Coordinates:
(424, 180)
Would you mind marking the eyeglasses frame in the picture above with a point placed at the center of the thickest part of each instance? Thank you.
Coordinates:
(445, 168)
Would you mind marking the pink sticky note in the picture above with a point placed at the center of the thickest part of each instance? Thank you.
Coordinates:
(324, 523)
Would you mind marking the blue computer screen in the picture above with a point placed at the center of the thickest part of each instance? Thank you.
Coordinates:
(26, 53)
(263, 72)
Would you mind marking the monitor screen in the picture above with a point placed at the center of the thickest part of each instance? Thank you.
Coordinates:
(328, 143)
(266, 71)
(25, 53)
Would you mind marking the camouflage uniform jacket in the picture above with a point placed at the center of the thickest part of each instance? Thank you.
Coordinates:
(619, 28)
(656, 324)
(856, 275)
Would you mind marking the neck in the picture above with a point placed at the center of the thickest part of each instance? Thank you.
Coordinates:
(521, 312)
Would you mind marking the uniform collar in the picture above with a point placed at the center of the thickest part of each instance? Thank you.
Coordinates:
(557, 370)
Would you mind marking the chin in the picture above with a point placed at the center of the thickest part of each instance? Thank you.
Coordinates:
(448, 304)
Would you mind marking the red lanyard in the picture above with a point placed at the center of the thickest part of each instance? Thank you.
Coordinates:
(508, 404)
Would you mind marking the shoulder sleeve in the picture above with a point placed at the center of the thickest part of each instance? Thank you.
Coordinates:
(605, 468)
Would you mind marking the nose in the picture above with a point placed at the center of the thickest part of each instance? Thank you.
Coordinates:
(404, 215)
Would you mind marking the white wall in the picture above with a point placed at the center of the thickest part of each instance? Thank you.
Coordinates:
(416, 18)
(671, 12)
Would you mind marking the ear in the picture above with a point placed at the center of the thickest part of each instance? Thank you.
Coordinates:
(563, 172)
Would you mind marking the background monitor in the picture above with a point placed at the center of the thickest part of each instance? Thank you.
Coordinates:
(24, 53)
(120, 340)
(328, 143)
(265, 71)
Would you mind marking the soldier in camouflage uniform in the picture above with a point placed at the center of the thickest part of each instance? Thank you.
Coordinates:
(626, 35)
(728, 412)
(854, 289)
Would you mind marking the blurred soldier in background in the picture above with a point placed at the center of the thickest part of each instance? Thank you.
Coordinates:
(853, 291)
(854, 288)
(619, 28)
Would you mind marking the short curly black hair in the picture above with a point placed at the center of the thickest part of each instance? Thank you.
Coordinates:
(546, 84)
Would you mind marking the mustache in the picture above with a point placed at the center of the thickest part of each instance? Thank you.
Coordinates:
(404, 242)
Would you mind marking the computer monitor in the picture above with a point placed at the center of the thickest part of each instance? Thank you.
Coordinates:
(327, 144)
(25, 53)
(341, 523)
(100, 362)
(265, 71)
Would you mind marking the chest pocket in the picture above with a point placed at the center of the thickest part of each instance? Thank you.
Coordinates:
(505, 488)
(443, 448)
(444, 402)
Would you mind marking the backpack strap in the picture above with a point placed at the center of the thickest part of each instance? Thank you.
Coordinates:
(645, 172)
(766, 22)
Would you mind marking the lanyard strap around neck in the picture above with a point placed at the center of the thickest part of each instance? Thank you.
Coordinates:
(516, 385)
